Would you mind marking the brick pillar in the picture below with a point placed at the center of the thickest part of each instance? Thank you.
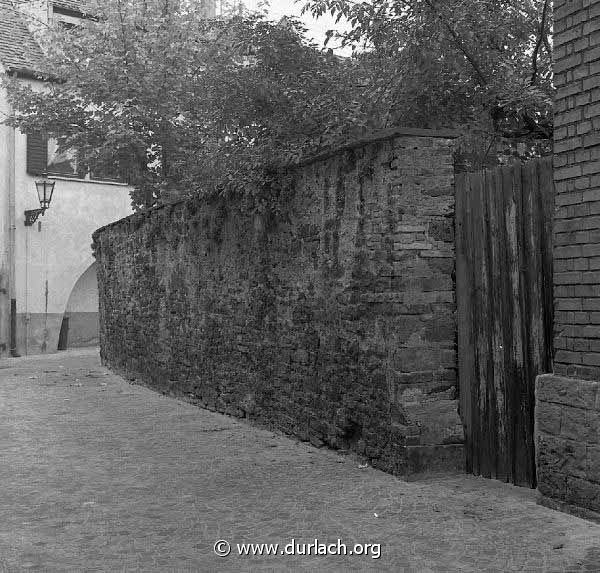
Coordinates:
(568, 401)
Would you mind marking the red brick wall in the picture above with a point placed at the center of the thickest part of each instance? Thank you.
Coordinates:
(577, 176)
(567, 411)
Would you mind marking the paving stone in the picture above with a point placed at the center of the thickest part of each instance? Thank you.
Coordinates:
(101, 475)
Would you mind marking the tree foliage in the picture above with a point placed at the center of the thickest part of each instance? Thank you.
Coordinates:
(188, 105)
(479, 64)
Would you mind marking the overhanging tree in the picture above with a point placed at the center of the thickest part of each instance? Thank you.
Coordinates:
(185, 105)
(480, 65)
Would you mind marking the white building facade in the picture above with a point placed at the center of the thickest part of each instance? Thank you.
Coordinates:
(48, 289)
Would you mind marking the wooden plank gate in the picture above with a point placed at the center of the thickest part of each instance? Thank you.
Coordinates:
(504, 296)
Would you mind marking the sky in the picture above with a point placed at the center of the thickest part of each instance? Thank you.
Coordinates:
(316, 27)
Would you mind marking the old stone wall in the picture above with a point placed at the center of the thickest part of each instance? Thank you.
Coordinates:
(568, 434)
(334, 322)
(566, 409)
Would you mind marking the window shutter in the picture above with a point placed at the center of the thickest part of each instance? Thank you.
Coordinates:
(37, 153)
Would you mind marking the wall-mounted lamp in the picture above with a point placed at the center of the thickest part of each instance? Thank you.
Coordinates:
(45, 188)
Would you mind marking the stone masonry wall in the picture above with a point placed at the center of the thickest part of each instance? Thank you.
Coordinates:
(568, 441)
(334, 323)
(566, 407)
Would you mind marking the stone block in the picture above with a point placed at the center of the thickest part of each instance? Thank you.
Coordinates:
(552, 483)
(583, 493)
(575, 424)
(548, 416)
(569, 391)
(593, 426)
(593, 463)
(561, 455)
(447, 458)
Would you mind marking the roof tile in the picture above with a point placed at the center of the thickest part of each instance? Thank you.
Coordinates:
(18, 49)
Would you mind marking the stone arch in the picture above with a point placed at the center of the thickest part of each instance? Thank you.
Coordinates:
(80, 321)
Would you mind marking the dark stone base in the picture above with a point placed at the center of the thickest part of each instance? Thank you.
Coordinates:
(569, 508)
(428, 459)
(411, 463)
(567, 441)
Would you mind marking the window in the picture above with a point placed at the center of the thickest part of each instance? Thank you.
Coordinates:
(37, 154)
(63, 162)
(43, 155)
(103, 172)
(66, 19)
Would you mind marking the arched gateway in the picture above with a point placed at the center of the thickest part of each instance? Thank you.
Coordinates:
(80, 322)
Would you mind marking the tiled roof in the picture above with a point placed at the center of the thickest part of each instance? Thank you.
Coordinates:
(18, 50)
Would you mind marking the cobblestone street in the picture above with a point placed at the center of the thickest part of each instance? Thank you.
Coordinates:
(102, 475)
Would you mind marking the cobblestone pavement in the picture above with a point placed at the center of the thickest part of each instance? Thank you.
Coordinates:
(101, 475)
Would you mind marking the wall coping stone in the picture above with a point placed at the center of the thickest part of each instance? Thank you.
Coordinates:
(369, 139)
(376, 137)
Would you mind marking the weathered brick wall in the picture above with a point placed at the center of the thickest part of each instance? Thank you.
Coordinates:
(566, 409)
(334, 323)
(577, 176)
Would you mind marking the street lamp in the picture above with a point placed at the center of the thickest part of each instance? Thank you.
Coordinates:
(45, 188)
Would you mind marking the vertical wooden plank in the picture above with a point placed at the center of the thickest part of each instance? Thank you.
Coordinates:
(473, 213)
(470, 294)
(525, 301)
(512, 317)
(482, 357)
(490, 289)
(499, 285)
(521, 459)
(505, 203)
(464, 320)
(531, 312)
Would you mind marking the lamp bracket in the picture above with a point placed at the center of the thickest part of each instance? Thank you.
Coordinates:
(32, 215)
